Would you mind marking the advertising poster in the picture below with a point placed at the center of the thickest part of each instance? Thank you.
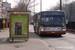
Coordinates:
(19, 26)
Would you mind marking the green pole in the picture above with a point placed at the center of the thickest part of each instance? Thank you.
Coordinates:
(60, 4)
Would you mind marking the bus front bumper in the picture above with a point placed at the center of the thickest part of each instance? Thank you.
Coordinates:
(52, 32)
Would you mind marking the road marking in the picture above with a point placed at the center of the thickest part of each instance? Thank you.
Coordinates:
(47, 44)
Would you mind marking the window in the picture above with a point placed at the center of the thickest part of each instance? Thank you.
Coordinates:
(0, 15)
(42, 19)
(0, 0)
(51, 18)
(0, 4)
(47, 19)
(0, 10)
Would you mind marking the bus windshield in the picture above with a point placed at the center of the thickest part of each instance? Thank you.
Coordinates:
(53, 21)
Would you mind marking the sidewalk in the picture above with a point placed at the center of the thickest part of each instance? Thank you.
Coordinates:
(34, 43)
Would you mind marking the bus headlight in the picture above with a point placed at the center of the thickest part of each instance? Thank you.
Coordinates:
(64, 29)
(42, 29)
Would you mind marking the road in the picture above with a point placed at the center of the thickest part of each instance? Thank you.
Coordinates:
(35, 42)
(65, 42)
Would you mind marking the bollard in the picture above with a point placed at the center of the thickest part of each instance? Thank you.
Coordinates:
(6, 25)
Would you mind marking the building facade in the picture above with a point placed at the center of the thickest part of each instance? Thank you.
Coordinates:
(4, 7)
(1, 8)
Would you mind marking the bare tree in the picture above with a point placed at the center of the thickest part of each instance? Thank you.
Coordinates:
(24, 4)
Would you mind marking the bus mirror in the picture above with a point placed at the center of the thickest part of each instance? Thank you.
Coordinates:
(66, 21)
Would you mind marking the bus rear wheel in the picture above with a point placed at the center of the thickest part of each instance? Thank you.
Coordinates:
(39, 33)
(34, 31)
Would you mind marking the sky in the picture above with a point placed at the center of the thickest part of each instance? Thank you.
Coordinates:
(46, 4)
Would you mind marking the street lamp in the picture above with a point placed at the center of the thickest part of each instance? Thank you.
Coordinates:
(60, 4)
(6, 0)
(34, 7)
(40, 5)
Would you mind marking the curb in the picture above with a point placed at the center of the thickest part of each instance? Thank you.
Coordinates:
(0, 30)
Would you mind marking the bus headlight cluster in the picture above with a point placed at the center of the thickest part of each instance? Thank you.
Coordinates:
(64, 29)
(42, 29)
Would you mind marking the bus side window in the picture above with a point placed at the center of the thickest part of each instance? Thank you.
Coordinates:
(38, 19)
(35, 18)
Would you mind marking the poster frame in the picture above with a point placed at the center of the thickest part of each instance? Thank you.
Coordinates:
(10, 26)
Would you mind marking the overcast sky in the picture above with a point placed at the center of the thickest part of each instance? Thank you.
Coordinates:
(46, 4)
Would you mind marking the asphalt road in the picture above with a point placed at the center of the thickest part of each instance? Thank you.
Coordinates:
(45, 42)
(65, 42)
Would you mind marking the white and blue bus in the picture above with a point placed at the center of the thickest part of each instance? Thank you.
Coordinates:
(50, 22)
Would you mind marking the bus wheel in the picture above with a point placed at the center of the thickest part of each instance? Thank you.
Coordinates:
(39, 33)
(34, 32)
(59, 35)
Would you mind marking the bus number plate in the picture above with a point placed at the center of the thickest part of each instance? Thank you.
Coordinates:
(53, 32)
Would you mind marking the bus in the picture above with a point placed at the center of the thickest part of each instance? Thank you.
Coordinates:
(50, 22)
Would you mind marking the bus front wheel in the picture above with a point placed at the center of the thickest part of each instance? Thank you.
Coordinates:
(34, 29)
(59, 35)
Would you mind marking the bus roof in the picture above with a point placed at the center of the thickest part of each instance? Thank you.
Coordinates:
(50, 11)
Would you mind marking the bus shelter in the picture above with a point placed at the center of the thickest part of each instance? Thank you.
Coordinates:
(19, 24)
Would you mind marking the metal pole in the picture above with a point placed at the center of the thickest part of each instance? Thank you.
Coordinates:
(3, 22)
(34, 8)
(6, 0)
(40, 5)
(70, 14)
(60, 4)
